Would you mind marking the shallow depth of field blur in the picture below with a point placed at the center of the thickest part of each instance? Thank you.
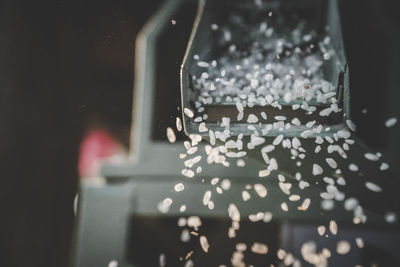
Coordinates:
(66, 95)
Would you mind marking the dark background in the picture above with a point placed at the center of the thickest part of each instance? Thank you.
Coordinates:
(67, 66)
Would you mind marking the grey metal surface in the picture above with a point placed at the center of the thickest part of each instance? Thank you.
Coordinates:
(203, 43)
(103, 224)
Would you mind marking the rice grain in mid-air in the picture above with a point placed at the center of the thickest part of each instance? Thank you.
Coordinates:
(204, 243)
(178, 124)
(261, 190)
(359, 242)
(384, 166)
(317, 170)
(259, 248)
(188, 112)
(331, 162)
(373, 187)
(321, 230)
(179, 187)
(390, 122)
(371, 157)
(333, 227)
(171, 135)
(343, 247)
(206, 197)
(353, 167)
(264, 173)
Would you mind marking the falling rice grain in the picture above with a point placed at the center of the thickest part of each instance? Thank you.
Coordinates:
(321, 230)
(164, 205)
(202, 64)
(353, 167)
(384, 166)
(277, 140)
(171, 135)
(204, 243)
(281, 254)
(179, 187)
(260, 190)
(259, 248)
(373, 187)
(390, 122)
(304, 206)
(202, 127)
(233, 212)
(226, 184)
(178, 124)
(331, 162)
(372, 157)
(351, 125)
(214, 181)
(359, 242)
(268, 149)
(343, 247)
(333, 227)
(264, 173)
(284, 206)
(390, 217)
(206, 197)
(317, 170)
(194, 221)
(245, 195)
(162, 260)
(252, 118)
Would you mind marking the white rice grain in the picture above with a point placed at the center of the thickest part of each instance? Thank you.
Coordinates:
(353, 167)
(333, 227)
(259, 248)
(351, 125)
(370, 156)
(214, 181)
(284, 206)
(203, 64)
(321, 230)
(245, 195)
(261, 190)
(359, 242)
(343, 247)
(204, 243)
(179, 187)
(390, 122)
(162, 260)
(317, 170)
(384, 166)
(331, 162)
(264, 173)
(373, 187)
(252, 119)
(277, 140)
(171, 135)
(178, 124)
(206, 197)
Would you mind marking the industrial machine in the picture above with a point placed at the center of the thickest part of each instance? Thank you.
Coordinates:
(120, 223)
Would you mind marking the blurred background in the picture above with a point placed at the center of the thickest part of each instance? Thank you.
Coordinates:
(66, 80)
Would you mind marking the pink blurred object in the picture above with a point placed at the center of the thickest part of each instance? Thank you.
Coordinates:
(97, 146)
